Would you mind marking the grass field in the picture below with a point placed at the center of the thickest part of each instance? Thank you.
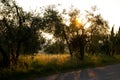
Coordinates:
(45, 64)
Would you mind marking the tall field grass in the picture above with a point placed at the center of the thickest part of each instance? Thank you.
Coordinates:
(46, 64)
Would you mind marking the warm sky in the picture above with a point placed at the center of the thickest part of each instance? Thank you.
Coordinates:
(108, 8)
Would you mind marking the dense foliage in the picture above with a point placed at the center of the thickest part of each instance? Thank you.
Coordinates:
(20, 33)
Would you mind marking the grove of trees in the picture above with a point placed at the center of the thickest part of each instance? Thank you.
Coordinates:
(21, 33)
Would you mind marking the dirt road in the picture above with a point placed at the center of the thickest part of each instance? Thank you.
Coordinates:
(111, 72)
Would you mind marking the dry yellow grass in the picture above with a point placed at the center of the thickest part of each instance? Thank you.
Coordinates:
(44, 59)
(47, 58)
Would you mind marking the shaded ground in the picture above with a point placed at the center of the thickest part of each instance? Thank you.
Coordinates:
(111, 72)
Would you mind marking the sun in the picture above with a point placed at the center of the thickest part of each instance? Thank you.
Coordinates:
(79, 23)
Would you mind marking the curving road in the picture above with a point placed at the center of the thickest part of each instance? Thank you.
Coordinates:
(111, 72)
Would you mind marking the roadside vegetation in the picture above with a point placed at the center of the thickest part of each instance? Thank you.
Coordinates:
(32, 66)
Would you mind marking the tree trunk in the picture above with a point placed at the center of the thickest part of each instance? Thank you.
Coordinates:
(69, 47)
(82, 52)
(82, 46)
(17, 52)
(6, 58)
(70, 50)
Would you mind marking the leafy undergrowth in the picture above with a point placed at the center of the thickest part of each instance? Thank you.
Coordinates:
(31, 66)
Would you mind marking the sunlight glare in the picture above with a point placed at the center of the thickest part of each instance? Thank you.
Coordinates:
(47, 35)
(79, 23)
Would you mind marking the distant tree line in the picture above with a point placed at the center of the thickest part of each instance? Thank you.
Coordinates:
(20, 33)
